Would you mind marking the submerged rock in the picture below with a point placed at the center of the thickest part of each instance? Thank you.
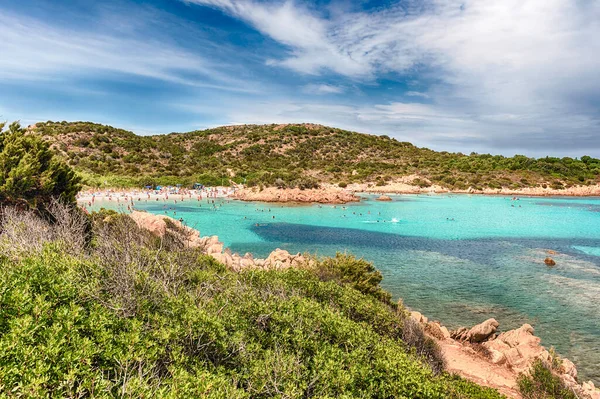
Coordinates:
(549, 261)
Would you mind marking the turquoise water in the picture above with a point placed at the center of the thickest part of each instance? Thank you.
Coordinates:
(458, 259)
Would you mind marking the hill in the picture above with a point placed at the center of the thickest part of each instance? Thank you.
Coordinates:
(300, 155)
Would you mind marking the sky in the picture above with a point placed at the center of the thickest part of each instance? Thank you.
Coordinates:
(504, 77)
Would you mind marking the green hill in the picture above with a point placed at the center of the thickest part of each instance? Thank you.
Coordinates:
(293, 155)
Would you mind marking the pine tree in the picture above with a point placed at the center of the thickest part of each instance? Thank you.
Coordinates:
(30, 174)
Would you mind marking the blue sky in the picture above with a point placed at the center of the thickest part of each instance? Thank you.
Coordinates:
(511, 76)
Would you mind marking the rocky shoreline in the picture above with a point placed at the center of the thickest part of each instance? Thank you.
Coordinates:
(329, 195)
(493, 359)
(539, 191)
(479, 354)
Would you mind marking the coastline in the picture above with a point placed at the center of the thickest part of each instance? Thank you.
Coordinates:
(327, 194)
(405, 188)
(483, 354)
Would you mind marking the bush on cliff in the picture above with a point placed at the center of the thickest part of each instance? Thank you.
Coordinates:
(542, 383)
(128, 316)
(30, 174)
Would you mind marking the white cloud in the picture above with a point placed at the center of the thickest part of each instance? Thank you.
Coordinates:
(35, 51)
(510, 67)
(323, 89)
(416, 94)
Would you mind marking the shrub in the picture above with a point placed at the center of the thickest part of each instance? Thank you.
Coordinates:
(542, 383)
(30, 175)
(424, 346)
(358, 273)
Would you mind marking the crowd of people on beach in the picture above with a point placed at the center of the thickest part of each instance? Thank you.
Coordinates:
(128, 198)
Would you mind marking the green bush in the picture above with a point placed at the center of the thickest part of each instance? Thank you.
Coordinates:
(358, 273)
(542, 383)
(30, 174)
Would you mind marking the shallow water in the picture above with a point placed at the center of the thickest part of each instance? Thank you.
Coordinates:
(459, 259)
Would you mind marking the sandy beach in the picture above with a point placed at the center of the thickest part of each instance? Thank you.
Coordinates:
(327, 194)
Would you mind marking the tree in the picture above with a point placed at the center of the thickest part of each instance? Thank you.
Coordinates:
(30, 174)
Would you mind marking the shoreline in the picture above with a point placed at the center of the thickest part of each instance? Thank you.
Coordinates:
(483, 353)
(328, 194)
(538, 191)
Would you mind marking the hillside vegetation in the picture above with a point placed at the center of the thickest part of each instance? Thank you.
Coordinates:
(123, 313)
(293, 155)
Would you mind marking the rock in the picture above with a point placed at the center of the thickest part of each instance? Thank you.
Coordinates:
(384, 198)
(460, 334)
(519, 347)
(418, 317)
(549, 261)
(590, 390)
(497, 357)
(483, 331)
(445, 332)
(272, 194)
(567, 367)
(551, 252)
(436, 330)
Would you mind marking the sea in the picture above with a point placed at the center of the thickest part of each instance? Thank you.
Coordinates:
(459, 259)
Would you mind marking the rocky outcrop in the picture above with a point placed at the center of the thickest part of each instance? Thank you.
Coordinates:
(160, 225)
(278, 260)
(480, 355)
(478, 333)
(418, 317)
(328, 195)
(436, 330)
(406, 185)
(384, 198)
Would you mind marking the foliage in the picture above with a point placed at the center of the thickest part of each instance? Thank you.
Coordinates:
(358, 273)
(293, 156)
(30, 173)
(151, 319)
(542, 383)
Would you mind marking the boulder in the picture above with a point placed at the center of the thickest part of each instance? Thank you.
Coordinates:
(436, 330)
(549, 261)
(497, 357)
(418, 317)
(282, 259)
(590, 390)
(519, 347)
(384, 198)
(483, 331)
(459, 334)
(567, 367)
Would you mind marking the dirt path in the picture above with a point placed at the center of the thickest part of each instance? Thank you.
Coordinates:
(467, 363)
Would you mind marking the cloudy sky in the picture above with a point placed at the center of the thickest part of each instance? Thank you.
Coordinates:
(509, 76)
